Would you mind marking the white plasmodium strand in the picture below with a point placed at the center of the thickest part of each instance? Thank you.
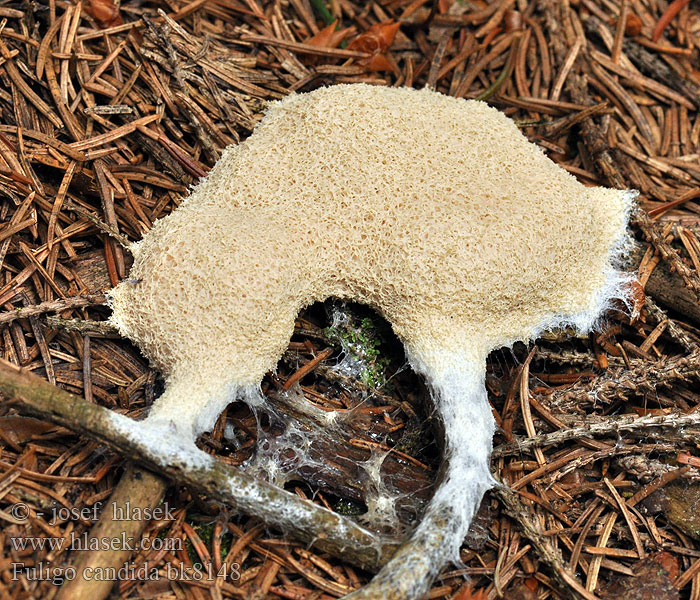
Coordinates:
(458, 392)
(459, 397)
(166, 448)
(435, 211)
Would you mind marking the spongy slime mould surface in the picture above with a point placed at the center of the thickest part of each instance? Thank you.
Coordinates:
(435, 211)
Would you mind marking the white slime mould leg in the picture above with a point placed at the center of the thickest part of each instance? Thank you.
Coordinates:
(461, 402)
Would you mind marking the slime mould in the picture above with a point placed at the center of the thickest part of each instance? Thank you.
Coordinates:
(435, 211)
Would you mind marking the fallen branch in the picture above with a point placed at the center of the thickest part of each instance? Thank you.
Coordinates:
(137, 488)
(303, 519)
(674, 331)
(102, 329)
(655, 68)
(621, 383)
(52, 306)
(667, 288)
(609, 426)
(547, 552)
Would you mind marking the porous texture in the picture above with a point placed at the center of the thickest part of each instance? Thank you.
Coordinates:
(435, 211)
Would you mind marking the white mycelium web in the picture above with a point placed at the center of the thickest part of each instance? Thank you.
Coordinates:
(435, 211)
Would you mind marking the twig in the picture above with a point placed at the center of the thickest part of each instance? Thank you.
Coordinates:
(138, 490)
(306, 521)
(52, 306)
(674, 330)
(547, 552)
(610, 426)
(123, 241)
(86, 327)
(647, 377)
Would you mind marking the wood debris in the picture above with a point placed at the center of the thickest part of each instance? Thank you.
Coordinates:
(110, 111)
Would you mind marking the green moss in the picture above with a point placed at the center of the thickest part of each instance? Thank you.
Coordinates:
(362, 339)
(226, 542)
(416, 436)
(349, 507)
(191, 552)
(681, 505)
(205, 533)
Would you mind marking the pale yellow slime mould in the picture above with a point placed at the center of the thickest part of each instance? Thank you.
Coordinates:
(433, 210)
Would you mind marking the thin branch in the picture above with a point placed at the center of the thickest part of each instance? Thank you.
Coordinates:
(610, 426)
(301, 518)
(52, 306)
(546, 550)
(102, 329)
(619, 383)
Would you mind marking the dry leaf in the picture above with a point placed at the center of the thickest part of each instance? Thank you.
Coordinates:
(376, 41)
(18, 430)
(105, 12)
(652, 579)
(378, 62)
(329, 37)
(468, 593)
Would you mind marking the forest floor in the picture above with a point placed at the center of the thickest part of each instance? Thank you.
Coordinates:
(109, 113)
